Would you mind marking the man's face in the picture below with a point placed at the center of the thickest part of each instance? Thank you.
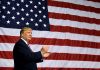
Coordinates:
(27, 35)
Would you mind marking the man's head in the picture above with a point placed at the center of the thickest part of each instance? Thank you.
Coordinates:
(26, 33)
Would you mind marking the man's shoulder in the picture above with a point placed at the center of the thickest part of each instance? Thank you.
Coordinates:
(19, 42)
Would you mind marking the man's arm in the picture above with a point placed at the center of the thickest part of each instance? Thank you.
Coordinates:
(29, 56)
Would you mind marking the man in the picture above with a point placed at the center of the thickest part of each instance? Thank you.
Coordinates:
(24, 57)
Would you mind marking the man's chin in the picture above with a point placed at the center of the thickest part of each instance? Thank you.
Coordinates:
(29, 39)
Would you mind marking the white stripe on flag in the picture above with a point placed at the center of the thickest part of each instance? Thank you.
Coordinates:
(76, 24)
(82, 2)
(47, 34)
(73, 12)
(55, 49)
(56, 63)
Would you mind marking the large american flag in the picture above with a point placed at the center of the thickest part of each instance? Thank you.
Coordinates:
(71, 28)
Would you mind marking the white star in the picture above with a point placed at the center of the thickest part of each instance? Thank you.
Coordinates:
(43, 0)
(13, 8)
(22, 0)
(36, 24)
(8, 21)
(13, 17)
(8, 12)
(18, 22)
(31, 19)
(22, 18)
(22, 9)
(8, 3)
(18, 13)
(17, 4)
(44, 25)
(27, 23)
(13, 0)
(35, 6)
(40, 11)
(36, 15)
(31, 10)
(26, 5)
(39, 3)
(3, 16)
(27, 14)
(40, 20)
(44, 16)
(43, 7)
(3, 7)
(31, 2)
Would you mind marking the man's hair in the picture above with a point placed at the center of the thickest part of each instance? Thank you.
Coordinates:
(24, 29)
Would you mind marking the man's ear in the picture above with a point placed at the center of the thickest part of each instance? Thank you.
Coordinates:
(22, 35)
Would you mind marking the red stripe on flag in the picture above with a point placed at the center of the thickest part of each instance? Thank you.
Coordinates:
(52, 41)
(8, 39)
(62, 56)
(74, 30)
(74, 18)
(68, 69)
(73, 6)
(65, 42)
(6, 68)
(6, 54)
(9, 68)
(79, 57)
(94, 0)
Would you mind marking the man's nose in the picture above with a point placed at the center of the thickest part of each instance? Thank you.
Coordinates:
(30, 34)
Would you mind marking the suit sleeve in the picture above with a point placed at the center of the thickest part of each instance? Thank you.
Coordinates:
(26, 55)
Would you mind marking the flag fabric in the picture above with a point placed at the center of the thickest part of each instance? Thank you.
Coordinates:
(71, 28)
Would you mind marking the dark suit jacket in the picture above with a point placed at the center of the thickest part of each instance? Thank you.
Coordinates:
(24, 58)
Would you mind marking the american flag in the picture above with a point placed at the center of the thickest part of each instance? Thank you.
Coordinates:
(71, 28)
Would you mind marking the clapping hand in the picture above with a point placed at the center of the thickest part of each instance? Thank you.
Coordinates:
(44, 51)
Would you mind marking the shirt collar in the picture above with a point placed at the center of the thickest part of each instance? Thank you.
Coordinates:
(25, 41)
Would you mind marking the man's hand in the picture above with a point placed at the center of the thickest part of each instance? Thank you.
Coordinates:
(44, 51)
